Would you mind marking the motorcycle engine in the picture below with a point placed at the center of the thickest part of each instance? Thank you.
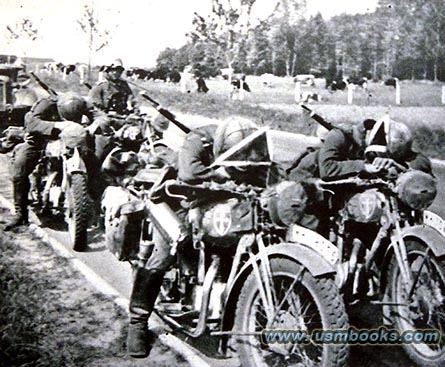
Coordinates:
(226, 221)
(365, 207)
(416, 189)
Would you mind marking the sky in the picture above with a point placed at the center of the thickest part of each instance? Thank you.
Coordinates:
(140, 28)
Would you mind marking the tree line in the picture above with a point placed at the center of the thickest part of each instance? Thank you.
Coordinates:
(401, 38)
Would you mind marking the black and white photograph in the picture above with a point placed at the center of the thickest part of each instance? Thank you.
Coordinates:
(225, 183)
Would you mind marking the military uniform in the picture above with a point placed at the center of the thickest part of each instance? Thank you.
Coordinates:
(342, 156)
(194, 160)
(111, 95)
(196, 156)
(40, 127)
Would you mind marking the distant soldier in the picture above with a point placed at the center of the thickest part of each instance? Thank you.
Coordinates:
(113, 94)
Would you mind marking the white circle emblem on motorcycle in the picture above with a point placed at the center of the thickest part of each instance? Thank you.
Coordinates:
(222, 219)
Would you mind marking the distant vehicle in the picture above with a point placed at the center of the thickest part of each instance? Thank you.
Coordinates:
(16, 98)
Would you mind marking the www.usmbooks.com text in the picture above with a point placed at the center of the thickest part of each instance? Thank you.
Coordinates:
(380, 336)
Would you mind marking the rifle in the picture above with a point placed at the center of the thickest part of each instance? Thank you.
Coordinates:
(318, 118)
(167, 114)
(47, 89)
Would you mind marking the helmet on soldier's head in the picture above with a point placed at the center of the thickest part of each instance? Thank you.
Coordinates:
(399, 140)
(231, 132)
(116, 65)
(321, 132)
(71, 107)
(160, 124)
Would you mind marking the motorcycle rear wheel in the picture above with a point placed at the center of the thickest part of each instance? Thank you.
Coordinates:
(78, 211)
(426, 308)
(307, 303)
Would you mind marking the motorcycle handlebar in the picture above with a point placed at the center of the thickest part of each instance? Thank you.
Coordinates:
(175, 189)
(356, 181)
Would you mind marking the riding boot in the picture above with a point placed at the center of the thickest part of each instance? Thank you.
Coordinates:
(21, 190)
(146, 286)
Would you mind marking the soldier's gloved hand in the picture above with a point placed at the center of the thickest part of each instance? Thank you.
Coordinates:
(388, 163)
(384, 163)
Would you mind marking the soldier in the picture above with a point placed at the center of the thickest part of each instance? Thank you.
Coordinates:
(113, 94)
(194, 160)
(47, 118)
(343, 152)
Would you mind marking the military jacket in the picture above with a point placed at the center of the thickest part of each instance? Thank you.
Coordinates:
(39, 122)
(340, 156)
(112, 96)
(196, 155)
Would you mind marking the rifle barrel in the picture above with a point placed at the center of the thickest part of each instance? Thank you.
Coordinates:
(50, 91)
(167, 114)
(318, 118)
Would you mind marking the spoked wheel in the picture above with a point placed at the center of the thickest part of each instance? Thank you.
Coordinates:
(425, 309)
(77, 211)
(302, 303)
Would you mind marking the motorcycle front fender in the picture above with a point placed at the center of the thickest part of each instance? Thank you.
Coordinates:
(429, 235)
(75, 163)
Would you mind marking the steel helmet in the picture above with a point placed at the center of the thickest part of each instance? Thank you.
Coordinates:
(71, 107)
(400, 140)
(231, 132)
(160, 124)
(116, 64)
(321, 132)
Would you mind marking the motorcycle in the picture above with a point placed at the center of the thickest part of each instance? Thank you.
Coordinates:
(392, 252)
(59, 184)
(136, 153)
(240, 276)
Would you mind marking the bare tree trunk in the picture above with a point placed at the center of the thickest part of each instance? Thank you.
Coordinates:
(294, 65)
(90, 50)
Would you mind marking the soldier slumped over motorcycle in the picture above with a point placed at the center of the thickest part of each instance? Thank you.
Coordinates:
(48, 118)
(365, 189)
(198, 152)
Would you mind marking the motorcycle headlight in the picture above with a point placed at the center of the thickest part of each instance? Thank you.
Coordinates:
(416, 189)
(227, 219)
(365, 207)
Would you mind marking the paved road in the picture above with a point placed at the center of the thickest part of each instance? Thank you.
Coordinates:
(118, 274)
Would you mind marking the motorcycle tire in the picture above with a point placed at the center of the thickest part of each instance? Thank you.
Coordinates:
(429, 292)
(326, 311)
(78, 211)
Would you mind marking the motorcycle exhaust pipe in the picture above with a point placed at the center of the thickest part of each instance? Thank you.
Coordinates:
(206, 290)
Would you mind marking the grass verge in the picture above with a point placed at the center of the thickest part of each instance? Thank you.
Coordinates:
(50, 316)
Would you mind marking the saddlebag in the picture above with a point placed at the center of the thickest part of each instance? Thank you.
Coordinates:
(123, 222)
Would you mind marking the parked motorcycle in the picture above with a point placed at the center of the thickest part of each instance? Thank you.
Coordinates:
(241, 275)
(392, 252)
(136, 154)
(59, 183)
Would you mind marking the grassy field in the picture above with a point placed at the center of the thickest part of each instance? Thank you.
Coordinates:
(274, 105)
